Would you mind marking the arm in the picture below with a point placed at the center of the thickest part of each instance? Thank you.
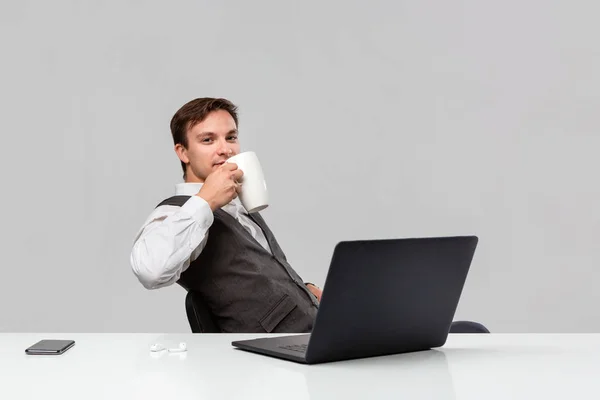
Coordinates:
(173, 237)
(169, 239)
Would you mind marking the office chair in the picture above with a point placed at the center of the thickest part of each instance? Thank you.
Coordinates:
(467, 327)
(198, 314)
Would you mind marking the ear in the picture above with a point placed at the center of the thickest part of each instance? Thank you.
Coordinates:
(182, 153)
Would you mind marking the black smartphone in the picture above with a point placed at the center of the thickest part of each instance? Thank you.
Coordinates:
(50, 346)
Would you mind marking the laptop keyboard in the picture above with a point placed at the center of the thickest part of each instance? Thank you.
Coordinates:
(301, 348)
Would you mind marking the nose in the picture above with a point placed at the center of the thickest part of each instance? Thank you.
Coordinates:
(224, 150)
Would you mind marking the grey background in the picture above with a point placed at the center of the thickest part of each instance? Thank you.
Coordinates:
(392, 119)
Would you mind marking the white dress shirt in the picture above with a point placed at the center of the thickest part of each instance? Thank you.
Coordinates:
(172, 237)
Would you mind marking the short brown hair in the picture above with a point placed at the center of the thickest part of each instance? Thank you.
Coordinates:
(194, 112)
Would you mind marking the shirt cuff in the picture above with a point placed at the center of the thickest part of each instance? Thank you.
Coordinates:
(199, 209)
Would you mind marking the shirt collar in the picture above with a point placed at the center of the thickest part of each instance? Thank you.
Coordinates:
(187, 188)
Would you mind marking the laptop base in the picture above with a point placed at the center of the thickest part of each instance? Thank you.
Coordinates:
(283, 347)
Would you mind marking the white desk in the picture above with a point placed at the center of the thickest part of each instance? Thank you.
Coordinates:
(120, 366)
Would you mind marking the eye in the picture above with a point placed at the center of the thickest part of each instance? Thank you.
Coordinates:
(232, 137)
(206, 140)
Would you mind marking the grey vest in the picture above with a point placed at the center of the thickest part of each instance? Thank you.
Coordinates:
(247, 288)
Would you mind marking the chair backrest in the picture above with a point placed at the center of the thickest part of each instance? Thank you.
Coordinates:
(198, 314)
(468, 327)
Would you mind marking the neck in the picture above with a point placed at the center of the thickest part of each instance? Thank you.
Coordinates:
(196, 180)
(191, 178)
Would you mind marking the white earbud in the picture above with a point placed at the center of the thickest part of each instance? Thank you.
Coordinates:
(156, 347)
(182, 347)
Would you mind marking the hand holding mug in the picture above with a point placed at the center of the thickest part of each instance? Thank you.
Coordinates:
(222, 186)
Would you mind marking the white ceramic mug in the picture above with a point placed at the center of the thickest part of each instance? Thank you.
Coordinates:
(253, 194)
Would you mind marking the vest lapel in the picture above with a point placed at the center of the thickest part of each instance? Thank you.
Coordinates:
(224, 214)
(275, 249)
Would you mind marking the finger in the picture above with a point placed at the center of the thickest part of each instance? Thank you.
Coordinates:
(238, 174)
(238, 187)
(230, 166)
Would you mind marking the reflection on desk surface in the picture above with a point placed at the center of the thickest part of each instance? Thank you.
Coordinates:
(114, 366)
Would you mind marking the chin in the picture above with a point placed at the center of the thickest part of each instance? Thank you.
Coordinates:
(198, 176)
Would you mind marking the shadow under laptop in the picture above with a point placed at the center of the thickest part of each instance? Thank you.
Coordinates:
(416, 375)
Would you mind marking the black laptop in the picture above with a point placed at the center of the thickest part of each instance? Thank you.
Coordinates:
(380, 297)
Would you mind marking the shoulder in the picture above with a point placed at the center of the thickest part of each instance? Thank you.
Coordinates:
(177, 200)
(165, 208)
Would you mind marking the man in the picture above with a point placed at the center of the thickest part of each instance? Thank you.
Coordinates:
(204, 239)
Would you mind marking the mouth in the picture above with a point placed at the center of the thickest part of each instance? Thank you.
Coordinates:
(219, 163)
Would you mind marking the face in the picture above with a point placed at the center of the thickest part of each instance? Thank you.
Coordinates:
(210, 143)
